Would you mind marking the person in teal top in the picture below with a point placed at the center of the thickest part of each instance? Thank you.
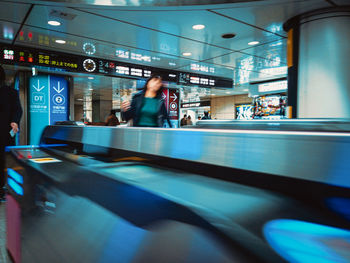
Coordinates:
(149, 112)
(147, 108)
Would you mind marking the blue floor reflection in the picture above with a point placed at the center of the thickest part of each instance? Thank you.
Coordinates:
(299, 241)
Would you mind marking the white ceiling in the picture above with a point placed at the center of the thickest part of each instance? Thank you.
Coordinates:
(165, 32)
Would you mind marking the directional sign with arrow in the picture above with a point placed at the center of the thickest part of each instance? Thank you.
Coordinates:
(59, 90)
(163, 96)
(174, 97)
(173, 104)
(38, 110)
(59, 99)
(48, 103)
(38, 88)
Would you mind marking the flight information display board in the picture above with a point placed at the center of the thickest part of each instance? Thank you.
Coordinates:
(26, 56)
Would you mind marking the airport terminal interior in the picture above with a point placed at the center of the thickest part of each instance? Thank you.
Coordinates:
(175, 131)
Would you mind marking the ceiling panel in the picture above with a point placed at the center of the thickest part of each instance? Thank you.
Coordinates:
(8, 31)
(270, 15)
(215, 26)
(121, 33)
(275, 51)
(14, 12)
(248, 68)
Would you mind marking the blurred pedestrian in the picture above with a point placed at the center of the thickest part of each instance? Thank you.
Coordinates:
(112, 120)
(206, 116)
(189, 121)
(147, 108)
(10, 115)
(183, 121)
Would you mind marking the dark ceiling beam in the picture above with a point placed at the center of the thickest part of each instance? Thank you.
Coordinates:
(22, 24)
(331, 3)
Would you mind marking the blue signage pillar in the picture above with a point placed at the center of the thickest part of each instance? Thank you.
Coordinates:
(59, 99)
(48, 103)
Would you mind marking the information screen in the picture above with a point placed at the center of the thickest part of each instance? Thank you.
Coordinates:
(69, 62)
(29, 57)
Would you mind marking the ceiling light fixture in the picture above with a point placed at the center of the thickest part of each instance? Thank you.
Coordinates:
(91, 89)
(60, 41)
(252, 43)
(90, 77)
(186, 54)
(54, 23)
(229, 35)
(198, 27)
(245, 90)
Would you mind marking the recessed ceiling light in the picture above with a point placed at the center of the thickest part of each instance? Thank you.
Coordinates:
(229, 35)
(228, 92)
(213, 94)
(60, 41)
(90, 77)
(91, 89)
(198, 27)
(54, 23)
(79, 99)
(187, 54)
(253, 43)
(245, 90)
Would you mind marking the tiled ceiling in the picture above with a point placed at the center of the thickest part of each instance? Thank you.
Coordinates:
(164, 33)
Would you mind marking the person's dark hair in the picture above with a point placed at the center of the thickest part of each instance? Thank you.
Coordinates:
(113, 112)
(185, 115)
(154, 76)
(2, 75)
(206, 114)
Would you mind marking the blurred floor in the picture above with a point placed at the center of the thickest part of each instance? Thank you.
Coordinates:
(3, 253)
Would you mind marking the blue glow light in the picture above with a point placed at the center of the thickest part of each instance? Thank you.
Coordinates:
(299, 241)
(14, 175)
(15, 186)
(52, 145)
(340, 205)
(8, 148)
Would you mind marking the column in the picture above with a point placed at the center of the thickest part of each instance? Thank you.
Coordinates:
(319, 63)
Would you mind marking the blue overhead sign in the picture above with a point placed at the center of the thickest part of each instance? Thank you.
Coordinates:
(48, 103)
(59, 99)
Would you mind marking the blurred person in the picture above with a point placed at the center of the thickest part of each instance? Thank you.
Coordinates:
(206, 116)
(183, 121)
(199, 117)
(147, 108)
(10, 116)
(189, 121)
(112, 120)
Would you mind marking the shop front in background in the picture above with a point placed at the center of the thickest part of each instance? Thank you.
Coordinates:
(195, 110)
(269, 100)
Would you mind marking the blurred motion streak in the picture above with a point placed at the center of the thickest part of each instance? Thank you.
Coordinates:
(299, 241)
